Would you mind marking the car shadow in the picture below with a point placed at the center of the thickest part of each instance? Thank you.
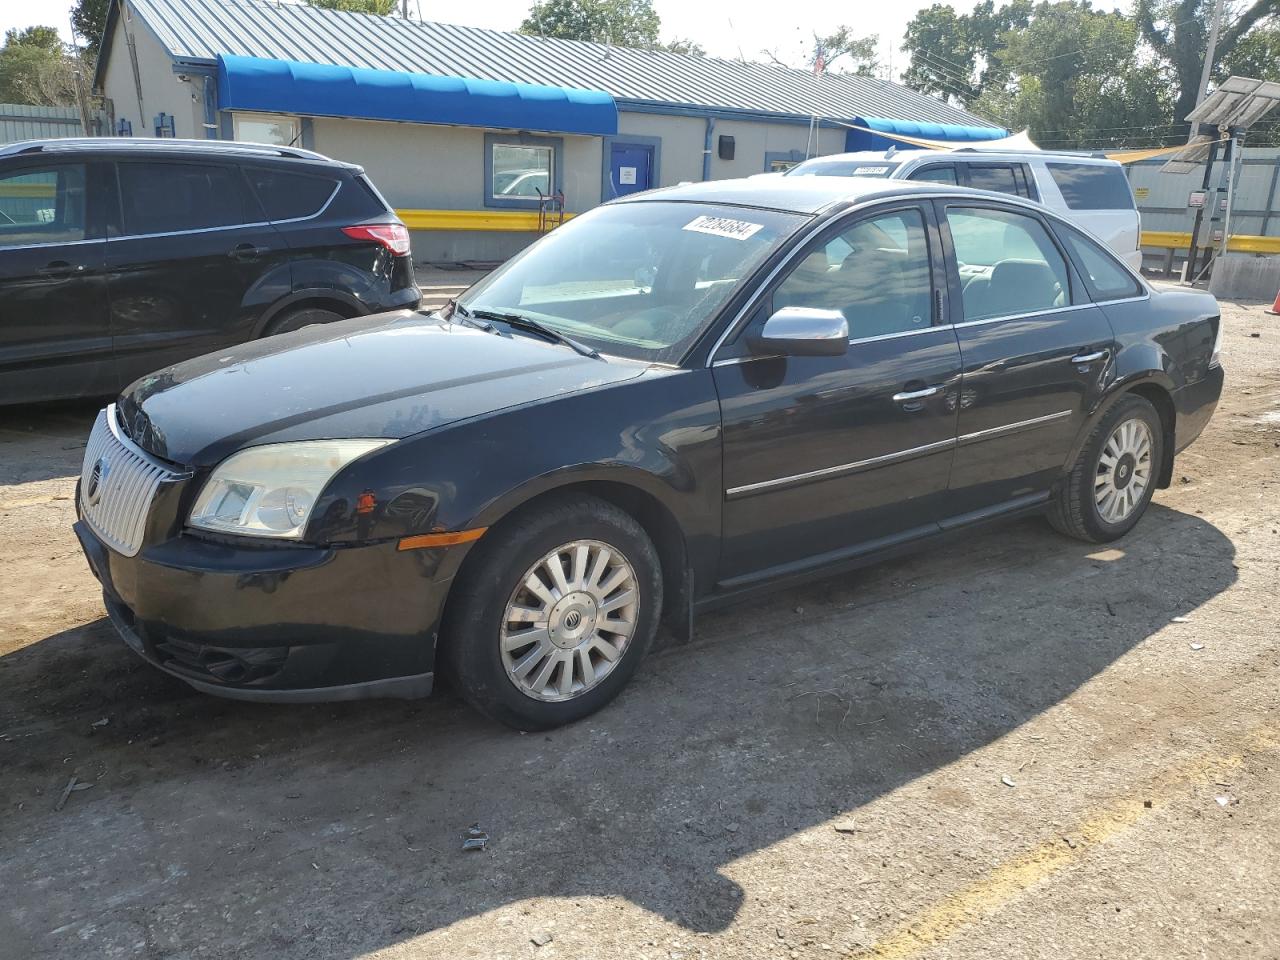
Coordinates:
(44, 441)
(343, 824)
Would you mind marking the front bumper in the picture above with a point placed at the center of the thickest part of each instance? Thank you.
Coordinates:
(276, 623)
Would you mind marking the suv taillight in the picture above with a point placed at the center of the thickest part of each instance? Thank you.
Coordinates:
(393, 236)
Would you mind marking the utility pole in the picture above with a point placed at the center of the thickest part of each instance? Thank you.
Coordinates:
(1209, 52)
(404, 13)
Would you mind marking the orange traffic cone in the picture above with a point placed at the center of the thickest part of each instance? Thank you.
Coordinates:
(1275, 307)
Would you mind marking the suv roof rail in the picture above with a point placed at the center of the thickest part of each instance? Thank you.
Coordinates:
(156, 143)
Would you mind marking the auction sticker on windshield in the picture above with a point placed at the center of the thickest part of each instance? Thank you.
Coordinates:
(723, 227)
(870, 171)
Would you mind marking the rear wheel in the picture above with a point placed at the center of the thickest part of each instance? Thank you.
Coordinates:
(302, 317)
(554, 613)
(1114, 477)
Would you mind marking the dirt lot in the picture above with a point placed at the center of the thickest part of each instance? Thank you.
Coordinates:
(1014, 746)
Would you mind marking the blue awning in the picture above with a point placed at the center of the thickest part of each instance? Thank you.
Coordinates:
(951, 132)
(321, 90)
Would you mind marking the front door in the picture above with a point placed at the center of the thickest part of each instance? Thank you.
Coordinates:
(827, 457)
(54, 336)
(630, 168)
(185, 271)
(1034, 357)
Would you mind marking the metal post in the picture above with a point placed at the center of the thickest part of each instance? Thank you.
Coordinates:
(706, 149)
(1195, 229)
(1232, 174)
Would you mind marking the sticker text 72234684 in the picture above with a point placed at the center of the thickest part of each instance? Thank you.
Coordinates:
(724, 227)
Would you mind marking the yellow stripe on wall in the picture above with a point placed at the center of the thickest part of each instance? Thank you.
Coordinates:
(1173, 240)
(509, 221)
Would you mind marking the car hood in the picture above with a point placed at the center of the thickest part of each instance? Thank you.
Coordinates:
(390, 375)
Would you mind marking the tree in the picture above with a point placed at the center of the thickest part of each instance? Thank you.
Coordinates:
(842, 43)
(380, 7)
(689, 48)
(89, 19)
(955, 56)
(1177, 31)
(1058, 77)
(36, 69)
(623, 23)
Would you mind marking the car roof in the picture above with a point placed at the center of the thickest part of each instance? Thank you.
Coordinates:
(963, 155)
(807, 195)
(152, 146)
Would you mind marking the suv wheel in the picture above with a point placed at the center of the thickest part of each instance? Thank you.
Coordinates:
(554, 614)
(1114, 477)
(297, 319)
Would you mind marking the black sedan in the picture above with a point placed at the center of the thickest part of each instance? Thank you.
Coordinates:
(669, 401)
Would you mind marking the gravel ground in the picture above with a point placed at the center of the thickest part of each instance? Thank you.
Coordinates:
(1012, 746)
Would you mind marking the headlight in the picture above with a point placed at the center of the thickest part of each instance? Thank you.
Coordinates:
(269, 491)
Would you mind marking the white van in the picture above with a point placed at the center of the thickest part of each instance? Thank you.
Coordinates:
(1091, 191)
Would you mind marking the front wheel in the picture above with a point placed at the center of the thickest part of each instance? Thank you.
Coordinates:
(1114, 477)
(553, 614)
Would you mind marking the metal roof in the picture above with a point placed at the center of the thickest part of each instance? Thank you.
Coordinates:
(200, 30)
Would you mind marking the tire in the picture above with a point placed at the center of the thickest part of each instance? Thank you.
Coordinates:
(485, 650)
(1097, 474)
(297, 319)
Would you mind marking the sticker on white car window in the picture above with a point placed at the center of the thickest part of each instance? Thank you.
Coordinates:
(870, 171)
(723, 227)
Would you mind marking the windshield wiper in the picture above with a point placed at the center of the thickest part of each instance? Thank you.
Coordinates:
(533, 326)
(458, 310)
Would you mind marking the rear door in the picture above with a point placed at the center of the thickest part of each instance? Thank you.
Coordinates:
(192, 264)
(54, 336)
(1035, 354)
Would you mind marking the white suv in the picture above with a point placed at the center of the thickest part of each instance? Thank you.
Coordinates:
(1090, 191)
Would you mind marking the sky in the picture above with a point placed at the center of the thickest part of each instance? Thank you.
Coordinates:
(726, 28)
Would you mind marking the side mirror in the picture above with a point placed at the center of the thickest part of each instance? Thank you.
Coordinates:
(803, 332)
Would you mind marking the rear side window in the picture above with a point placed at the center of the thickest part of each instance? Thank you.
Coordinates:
(286, 195)
(172, 197)
(1008, 265)
(1090, 186)
(1000, 179)
(1106, 278)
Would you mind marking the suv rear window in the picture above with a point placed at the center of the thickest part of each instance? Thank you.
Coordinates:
(1092, 186)
(286, 195)
(172, 197)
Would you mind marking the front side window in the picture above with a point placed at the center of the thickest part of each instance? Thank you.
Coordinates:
(638, 280)
(876, 273)
(267, 128)
(521, 170)
(42, 205)
(172, 197)
(935, 173)
(1092, 186)
(1108, 280)
(1008, 264)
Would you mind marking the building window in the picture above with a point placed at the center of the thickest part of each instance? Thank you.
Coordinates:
(519, 169)
(267, 128)
(777, 161)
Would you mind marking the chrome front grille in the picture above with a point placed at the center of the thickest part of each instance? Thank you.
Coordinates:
(117, 484)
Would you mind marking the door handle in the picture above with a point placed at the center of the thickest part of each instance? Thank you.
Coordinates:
(60, 268)
(247, 251)
(1088, 357)
(911, 395)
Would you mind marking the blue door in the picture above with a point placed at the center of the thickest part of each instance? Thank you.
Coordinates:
(630, 168)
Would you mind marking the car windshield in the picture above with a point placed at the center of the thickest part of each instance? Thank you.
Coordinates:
(640, 280)
(842, 168)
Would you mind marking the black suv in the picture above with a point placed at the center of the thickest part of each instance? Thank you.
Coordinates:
(119, 256)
